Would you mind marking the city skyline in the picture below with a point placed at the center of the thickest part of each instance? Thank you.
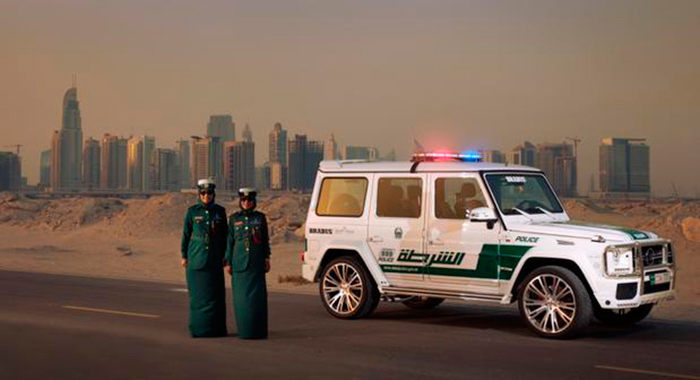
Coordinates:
(450, 74)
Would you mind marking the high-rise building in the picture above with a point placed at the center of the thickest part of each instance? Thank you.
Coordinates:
(206, 158)
(222, 126)
(278, 175)
(247, 134)
(558, 163)
(67, 146)
(278, 145)
(314, 156)
(91, 164)
(296, 159)
(492, 155)
(165, 176)
(624, 166)
(139, 163)
(330, 149)
(45, 169)
(525, 154)
(182, 149)
(360, 153)
(113, 162)
(10, 172)
(239, 164)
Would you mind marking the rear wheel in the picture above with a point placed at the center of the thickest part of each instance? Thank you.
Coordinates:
(622, 317)
(347, 290)
(423, 303)
(554, 302)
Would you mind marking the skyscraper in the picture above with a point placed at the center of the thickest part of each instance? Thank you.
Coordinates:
(278, 144)
(247, 134)
(624, 166)
(113, 162)
(558, 163)
(165, 177)
(67, 145)
(10, 171)
(296, 159)
(139, 167)
(91, 164)
(222, 126)
(330, 150)
(360, 153)
(182, 149)
(314, 156)
(45, 169)
(239, 164)
(206, 158)
(525, 154)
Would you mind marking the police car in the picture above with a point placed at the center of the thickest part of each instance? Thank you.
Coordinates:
(447, 226)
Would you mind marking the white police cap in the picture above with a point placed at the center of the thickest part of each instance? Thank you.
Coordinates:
(247, 192)
(205, 183)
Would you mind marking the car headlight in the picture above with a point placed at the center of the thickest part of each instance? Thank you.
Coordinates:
(619, 261)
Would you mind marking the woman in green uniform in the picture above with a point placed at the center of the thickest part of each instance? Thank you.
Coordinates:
(247, 260)
(203, 248)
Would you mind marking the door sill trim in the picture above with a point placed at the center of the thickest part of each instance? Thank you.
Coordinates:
(440, 294)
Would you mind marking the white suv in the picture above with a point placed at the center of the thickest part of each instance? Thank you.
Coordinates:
(422, 231)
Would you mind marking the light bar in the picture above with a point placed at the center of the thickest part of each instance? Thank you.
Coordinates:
(439, 156)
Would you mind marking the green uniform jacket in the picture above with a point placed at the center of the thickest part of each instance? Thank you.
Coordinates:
(248, 248)
(204, 247)
(248, 241)
(204, 235)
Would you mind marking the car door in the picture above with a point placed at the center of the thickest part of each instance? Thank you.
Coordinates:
(396, 227)
(463, 255)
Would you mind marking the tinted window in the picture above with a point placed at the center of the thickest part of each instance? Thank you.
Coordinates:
(455, 196)
(399, 197)
(342, 197)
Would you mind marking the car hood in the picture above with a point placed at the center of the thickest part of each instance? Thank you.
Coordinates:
(583, 230)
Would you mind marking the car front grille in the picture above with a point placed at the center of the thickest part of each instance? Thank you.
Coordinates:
(652, 255)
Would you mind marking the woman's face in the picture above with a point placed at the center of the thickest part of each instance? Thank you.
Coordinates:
(206, 196)
(246, 203)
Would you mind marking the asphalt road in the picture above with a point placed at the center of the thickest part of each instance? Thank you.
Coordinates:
(55, 327)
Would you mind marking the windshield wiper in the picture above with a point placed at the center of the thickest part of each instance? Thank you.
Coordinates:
(549, 214)
(522, 212)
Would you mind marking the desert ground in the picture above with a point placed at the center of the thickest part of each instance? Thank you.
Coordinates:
(139, 239)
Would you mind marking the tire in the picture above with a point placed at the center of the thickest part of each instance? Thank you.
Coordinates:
(423, 303)
(622, 317)
(554, 303)
(347, 290)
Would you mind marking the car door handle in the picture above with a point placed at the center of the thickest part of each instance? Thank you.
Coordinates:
(376, 239)
(435, 242)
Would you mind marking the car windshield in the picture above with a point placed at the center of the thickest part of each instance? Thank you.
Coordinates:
(517, 193)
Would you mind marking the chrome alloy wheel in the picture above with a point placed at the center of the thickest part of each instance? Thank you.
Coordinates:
(549, 303)
(342, 288)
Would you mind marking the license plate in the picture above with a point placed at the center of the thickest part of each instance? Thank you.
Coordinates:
(659, 278)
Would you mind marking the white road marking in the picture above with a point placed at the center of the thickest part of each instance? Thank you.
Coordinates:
(646, 372)
(106, 311)
(182, 290)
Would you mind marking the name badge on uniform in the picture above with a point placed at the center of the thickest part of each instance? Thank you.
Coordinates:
(238, 223)
(198, 218)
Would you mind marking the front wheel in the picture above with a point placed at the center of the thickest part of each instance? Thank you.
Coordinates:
(622, 317)
(347, 290)
(554, 302)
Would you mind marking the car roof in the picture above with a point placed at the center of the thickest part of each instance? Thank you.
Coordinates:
(363, 166)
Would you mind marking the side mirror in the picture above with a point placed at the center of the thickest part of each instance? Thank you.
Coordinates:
(483, 215)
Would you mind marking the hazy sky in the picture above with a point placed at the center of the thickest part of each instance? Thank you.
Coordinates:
(456, 74)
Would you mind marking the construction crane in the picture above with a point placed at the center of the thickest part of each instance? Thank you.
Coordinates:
(575, 140)
(16, 146)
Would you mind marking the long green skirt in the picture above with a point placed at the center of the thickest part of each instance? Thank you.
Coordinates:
(250, 304)
(207, 302)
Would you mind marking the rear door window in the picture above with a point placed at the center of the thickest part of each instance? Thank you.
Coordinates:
(399, 197)
(342, 196)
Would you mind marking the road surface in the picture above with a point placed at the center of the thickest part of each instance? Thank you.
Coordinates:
(59, 327)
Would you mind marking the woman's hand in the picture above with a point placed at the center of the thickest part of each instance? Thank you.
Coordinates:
(228, 269)
(267, 265)
(183, 263)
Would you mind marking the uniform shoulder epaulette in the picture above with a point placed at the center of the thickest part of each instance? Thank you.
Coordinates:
(193, 206)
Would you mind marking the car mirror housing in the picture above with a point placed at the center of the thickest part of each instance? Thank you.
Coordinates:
(484, 215)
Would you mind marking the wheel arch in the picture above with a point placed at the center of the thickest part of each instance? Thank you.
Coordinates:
(533, 263)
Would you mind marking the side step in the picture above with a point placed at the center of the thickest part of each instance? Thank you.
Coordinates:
(440, 294)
